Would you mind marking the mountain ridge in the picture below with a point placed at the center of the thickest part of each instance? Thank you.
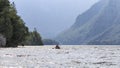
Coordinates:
(93, 24)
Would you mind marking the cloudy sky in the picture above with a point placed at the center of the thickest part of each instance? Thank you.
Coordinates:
(50, 17)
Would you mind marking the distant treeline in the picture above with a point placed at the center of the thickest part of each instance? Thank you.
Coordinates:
(13, 28)
(33, 38)
(50, 42)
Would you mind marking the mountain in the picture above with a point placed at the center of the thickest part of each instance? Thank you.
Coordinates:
(45, 15)
(98, 25)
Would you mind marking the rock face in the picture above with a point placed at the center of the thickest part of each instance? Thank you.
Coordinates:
(99, 25)
(2, 41)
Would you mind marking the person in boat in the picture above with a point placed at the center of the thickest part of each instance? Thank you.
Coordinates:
(22, 45)
(57, 47)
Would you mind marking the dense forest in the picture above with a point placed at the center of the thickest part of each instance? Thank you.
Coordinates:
(13, 28)
(33, 38)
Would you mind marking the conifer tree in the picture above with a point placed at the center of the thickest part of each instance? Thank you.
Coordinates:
(36, 38)
(11, 25)
(13, 28)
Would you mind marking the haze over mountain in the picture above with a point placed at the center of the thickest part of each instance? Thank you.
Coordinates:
(99, 25)
(50, 17)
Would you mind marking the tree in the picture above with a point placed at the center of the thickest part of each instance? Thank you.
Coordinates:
(34, 38)
(11, 25)
(5, 22)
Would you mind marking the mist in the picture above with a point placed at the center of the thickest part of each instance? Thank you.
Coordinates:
(50, 17)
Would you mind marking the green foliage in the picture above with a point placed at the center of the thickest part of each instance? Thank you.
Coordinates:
(11, 25)
(34, 38)
(5, 22)
(4, 4)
